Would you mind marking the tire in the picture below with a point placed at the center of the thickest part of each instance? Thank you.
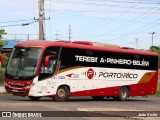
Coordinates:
(97, 97)
(62, 94)
(34, 98)
(123, 94)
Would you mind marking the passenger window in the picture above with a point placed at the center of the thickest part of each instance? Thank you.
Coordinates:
(51, 65)
(89, 52)
(137, 57)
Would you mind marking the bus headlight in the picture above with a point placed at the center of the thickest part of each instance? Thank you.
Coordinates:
(29, 86)
(6, 84)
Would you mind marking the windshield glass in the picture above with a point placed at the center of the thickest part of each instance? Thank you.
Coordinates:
(23, 62)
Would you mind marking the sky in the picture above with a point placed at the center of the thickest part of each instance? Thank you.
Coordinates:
(127, 23)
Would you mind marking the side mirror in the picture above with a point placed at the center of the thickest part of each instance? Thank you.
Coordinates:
(47, 59)
(3, 56)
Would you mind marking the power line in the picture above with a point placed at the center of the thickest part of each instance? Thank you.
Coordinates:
(118, 15)
(16, 21)
(94, 11)
(132, 2)
(137, 30)
(126, 24)
(22, 24)
(102, 4)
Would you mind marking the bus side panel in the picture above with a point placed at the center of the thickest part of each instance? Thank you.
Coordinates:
(111, 91)
(142, 89)
(139, 89)
(107, 66)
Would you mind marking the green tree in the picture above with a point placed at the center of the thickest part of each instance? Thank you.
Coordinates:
(2, 43)
(2, 32)
(155, 49)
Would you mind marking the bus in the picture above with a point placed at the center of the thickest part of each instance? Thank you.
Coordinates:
(60, 69)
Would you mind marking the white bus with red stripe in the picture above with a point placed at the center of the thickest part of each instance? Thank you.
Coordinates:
(64, 69)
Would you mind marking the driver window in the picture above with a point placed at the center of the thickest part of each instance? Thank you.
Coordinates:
(51, 65)
(49, 71)
(50, 68)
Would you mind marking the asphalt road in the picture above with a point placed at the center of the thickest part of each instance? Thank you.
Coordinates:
(100, 109)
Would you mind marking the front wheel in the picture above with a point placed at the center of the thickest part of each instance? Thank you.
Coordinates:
(123, 94)
(34, 98)
(62, 94)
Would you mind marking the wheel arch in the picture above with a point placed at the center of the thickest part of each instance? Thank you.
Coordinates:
(126, 86)
(65, 86)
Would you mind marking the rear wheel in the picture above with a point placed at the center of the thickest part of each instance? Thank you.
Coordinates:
(123, 94)
(34, 98)
(98, 97)
(62, 94)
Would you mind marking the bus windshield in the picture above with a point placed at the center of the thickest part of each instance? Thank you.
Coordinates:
(23, 63)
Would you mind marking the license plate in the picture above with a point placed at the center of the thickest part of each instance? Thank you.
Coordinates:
(15, 90)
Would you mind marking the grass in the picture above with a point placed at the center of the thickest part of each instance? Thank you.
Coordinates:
(1, 83)
(158, 90)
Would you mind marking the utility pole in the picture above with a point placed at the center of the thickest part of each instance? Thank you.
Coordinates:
(57, 35)
(136, 42)
(152, 40)
(69, 33)
(41, 17)
(28, 36)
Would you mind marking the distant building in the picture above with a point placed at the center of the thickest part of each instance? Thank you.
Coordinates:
(8, 48)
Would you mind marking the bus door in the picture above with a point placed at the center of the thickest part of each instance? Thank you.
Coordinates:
(46, 79)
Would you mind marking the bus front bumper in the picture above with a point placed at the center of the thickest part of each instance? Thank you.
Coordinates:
(17, 90)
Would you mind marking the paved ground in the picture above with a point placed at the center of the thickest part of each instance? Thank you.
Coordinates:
(84, 104)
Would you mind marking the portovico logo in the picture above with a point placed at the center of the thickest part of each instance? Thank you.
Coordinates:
(90, 73)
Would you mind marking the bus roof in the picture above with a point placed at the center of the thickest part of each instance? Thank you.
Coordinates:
(83, 45)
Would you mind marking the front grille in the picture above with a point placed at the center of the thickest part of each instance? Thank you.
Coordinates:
(16, 86)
